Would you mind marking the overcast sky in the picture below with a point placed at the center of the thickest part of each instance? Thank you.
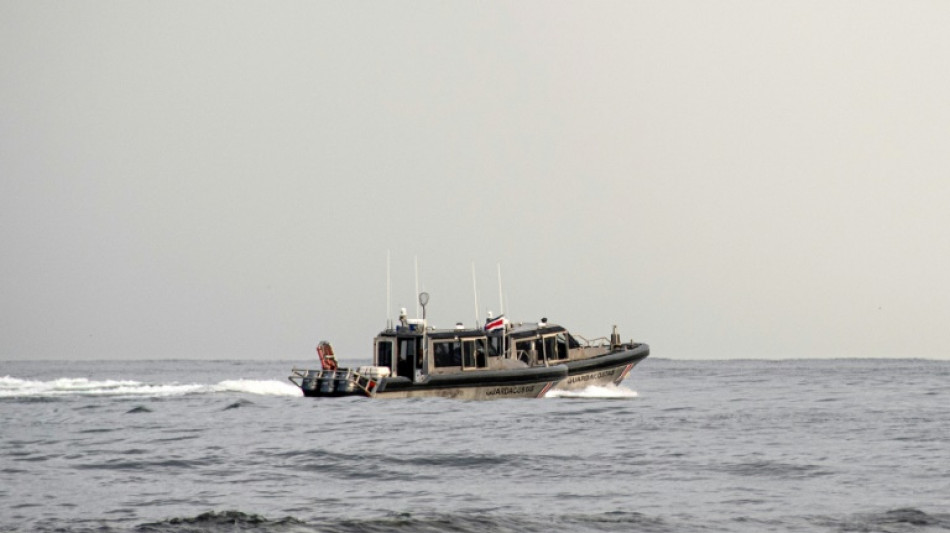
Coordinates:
(719, 179)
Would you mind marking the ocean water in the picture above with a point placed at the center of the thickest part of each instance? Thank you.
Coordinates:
(680, 446)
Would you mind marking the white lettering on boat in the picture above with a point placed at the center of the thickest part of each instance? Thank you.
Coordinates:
(588, 377)
(509, 391)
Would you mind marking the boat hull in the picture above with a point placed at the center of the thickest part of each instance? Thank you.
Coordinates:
(473, 385)
(608, 369)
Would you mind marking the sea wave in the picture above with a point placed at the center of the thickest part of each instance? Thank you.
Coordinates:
(230, 521)
(11, 387)
(895, 521)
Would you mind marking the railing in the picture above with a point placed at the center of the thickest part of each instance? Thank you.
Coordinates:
(600, 341)
(303, 374)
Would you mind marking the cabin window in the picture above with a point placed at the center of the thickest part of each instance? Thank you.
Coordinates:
(523, 351)
(384, 353)
(550, 352)
(572, 342)
(496, 346)
(447, 353)
(468, 354)
(410, 350)
(561, 346)
(407, 349)
(475, 353)
(481, 353)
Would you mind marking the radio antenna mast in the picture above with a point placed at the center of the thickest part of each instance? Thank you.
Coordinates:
(501, 300)
(389, 295)
(475, 290)
(415, 260)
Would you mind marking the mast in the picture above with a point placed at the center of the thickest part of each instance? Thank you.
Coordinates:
(501, 301)
(419, 373)
(501, 313)
(475, 290)
(389, 295)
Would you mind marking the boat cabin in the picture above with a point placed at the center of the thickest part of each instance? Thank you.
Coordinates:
(413, 351)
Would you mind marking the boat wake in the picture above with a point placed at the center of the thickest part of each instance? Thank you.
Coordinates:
(612, 392)
(11, 387)
(264, 388)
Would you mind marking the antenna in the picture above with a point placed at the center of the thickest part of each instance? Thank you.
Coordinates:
(475, 290)
(415, 260)
(501, 301)
(389, 296)
(423, 299)
(501, 313)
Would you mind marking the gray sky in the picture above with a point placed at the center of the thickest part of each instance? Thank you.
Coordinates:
(719, 179)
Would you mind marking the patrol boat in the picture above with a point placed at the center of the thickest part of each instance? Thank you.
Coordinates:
(499, 360)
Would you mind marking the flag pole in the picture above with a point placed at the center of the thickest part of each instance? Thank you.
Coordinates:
(501, 313)
(501, 301)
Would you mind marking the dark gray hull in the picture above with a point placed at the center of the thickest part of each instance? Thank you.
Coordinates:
(470, 385)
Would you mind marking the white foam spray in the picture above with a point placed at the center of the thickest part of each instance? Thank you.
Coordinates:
(612, 392)
(264, 388)
(11, 387)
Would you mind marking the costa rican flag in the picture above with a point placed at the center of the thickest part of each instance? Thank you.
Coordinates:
(496, 323)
